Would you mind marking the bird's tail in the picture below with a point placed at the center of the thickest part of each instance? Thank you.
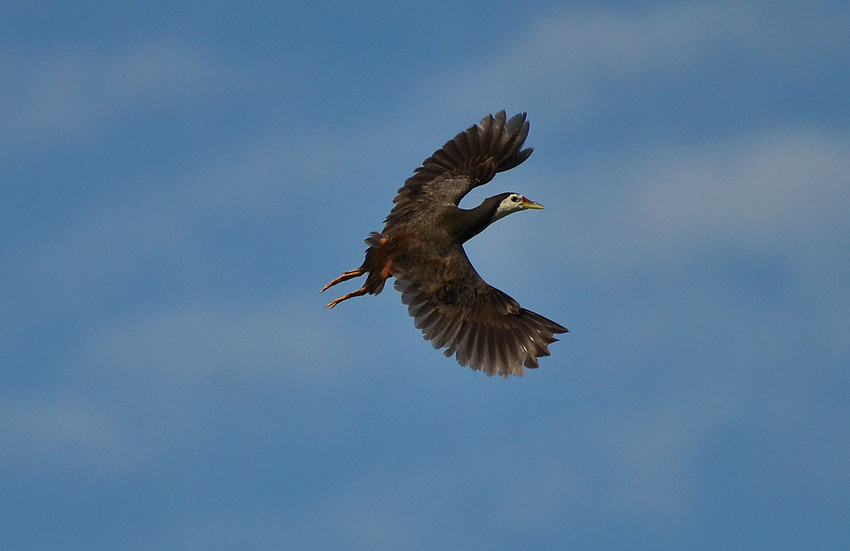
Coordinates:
(376, 265)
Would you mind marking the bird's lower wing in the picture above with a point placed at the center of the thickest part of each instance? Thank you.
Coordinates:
(491, 333)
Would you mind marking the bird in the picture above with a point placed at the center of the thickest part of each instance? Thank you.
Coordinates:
(421, 246)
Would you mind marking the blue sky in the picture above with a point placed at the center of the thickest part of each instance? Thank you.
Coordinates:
(178, 182)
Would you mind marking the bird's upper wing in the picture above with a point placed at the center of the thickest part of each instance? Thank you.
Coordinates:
(482, 326)
(468, 160)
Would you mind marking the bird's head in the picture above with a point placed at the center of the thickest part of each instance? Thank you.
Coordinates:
(513, 202)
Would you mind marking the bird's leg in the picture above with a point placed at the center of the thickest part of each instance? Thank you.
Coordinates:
(358, 293)
(344, 277)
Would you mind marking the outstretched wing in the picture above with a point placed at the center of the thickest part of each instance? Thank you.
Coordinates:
(468, 160)
(482, 326)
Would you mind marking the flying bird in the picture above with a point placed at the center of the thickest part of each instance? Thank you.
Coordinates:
(421, 245)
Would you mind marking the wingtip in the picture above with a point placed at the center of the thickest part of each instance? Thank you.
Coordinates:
(515, 122)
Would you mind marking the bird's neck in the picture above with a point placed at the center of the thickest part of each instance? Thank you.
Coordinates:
(466, 224)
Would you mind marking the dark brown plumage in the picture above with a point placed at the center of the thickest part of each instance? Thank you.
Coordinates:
(421, 246)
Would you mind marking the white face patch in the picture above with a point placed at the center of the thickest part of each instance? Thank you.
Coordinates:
(509, 204)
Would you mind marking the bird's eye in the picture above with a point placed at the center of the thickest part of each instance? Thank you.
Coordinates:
(515, 199)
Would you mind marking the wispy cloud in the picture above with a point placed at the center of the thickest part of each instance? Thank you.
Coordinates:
(73, 98)
(180, 347)
(783, 192)
(59, 435)
(571, 63)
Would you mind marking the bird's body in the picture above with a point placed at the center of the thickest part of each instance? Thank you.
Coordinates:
(421, 246)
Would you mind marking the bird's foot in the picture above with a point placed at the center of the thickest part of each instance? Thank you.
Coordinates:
(358, 293)
(344, 277)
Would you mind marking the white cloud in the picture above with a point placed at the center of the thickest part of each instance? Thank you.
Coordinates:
(127, 390)
(73, 97)
(61, 434)
(560, 63)
(785, 191)
(182, 347)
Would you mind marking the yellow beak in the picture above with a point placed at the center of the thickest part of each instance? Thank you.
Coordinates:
(529, 204)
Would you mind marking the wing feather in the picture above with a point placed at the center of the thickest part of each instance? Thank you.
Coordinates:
(480, 325)
(468, 160)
